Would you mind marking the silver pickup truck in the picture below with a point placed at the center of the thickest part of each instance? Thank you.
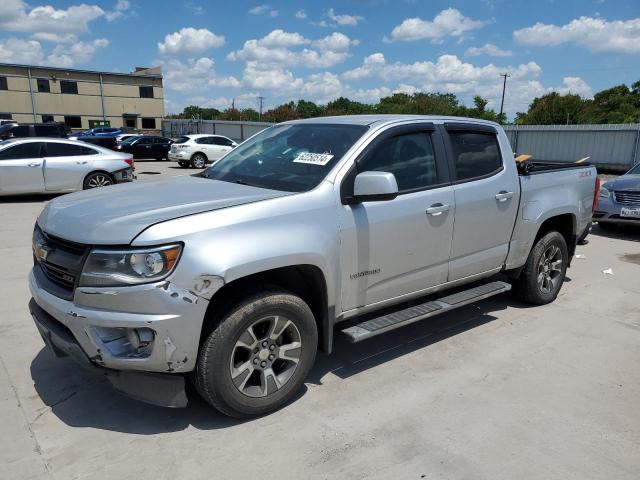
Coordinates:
(355, 224)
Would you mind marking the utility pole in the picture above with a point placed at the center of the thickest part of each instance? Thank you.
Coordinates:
(260, 100)
(504, 87)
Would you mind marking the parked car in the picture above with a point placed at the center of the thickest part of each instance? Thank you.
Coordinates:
(20, 130)
(146, 147)
(199, 149)
(236, 277)
(44, 165)
(122, 137)
(619, 202)
(101, 132)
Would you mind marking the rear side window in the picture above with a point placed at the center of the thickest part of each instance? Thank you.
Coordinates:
(475, 154)
(409, 157)
(205, 140)
(47, 131)
(55, 149)
(22, 150)
(20, 131)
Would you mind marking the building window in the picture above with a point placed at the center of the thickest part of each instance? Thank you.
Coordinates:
(43, 85)
(99, 123)
(146, 92)
(149, 123)
(73, 121)
(5, 116)
(47, 118)
(130, 121)
(3, 83)
(68, 86)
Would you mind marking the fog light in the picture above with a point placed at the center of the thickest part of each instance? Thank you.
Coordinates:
(125, 342)
(139, 337)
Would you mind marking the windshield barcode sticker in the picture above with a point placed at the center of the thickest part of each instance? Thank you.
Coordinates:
(313, 158)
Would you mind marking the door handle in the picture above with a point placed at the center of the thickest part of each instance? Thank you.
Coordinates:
(34, 164)
(503, 196)
(437, 209)
(84, 162)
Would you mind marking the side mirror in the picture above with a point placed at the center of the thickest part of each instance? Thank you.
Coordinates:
(375, 187)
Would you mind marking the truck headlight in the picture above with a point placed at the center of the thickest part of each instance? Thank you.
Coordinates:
(107, 268)
(604, 193)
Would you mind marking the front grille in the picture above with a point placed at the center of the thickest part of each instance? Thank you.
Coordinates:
(628, 198)
(63, 264)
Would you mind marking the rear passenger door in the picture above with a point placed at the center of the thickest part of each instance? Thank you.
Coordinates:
(66, 165)
(486, 197)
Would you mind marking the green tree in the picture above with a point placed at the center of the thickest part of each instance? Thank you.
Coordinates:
(308, 109)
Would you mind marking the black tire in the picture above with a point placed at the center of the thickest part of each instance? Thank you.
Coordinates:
(97, 179)
(199, 160)
(528, 287)
(223, 353)
(184, 164)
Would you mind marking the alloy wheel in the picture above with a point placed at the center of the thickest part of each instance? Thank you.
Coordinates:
(99, 180)
(550, 269)
(199, 161)
(265, 356)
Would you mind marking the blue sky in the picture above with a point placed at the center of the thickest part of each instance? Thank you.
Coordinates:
(213, 52)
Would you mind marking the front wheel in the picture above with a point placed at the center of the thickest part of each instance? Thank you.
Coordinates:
(97, 179)
(543, 274)
(256, 359)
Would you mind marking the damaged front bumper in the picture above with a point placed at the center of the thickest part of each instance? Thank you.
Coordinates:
(141, 337)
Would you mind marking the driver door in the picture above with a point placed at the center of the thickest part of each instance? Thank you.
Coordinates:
(390, 249)
(21, 168)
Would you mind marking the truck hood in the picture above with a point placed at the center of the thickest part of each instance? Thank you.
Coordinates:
(624, 182)
(115, 215)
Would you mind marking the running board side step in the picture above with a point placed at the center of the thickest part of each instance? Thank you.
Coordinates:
(391, 321)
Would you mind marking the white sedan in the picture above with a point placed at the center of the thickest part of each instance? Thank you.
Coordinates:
(49, 165)
(199, 149)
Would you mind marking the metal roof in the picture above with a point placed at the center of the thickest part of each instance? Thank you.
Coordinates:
(58, 69)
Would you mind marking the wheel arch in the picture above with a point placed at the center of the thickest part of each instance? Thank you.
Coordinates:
(565, 225)
(199, 152)
(305, 280)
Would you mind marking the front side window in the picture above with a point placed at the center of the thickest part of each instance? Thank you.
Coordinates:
(409, 157)
(225, 142)
(144, 141)
(475, 154)
(287, 157)
(43, 85)
(22, 151)
(55, 149)
(68, 86)
(19, 131)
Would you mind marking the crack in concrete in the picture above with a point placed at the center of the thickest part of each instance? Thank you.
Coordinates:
(38, 449)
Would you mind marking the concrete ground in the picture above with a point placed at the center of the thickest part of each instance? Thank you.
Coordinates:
(496, 390)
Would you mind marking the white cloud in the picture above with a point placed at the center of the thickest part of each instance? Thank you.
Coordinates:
(264, 10)
(194, 75)
(574, 85)
(276, 50)
(344, 20)
(596, 34)
(17, 16)
(55, 37)
(189, 41)
(448, 23)
(77, 53)
(301, 14)
(119, 10)
(17, 50)
(488, 49)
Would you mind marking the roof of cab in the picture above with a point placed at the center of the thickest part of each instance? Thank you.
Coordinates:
(388, 118)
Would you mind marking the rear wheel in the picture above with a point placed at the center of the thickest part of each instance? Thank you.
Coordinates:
(543, 274)
(199, 160)
(256, 359)
(97, 179)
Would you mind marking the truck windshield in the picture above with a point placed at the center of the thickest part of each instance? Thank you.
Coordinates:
(287, 157)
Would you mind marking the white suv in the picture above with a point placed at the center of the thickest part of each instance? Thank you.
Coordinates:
(197, 150)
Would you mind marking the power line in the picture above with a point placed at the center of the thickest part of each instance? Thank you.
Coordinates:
(504, 87)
